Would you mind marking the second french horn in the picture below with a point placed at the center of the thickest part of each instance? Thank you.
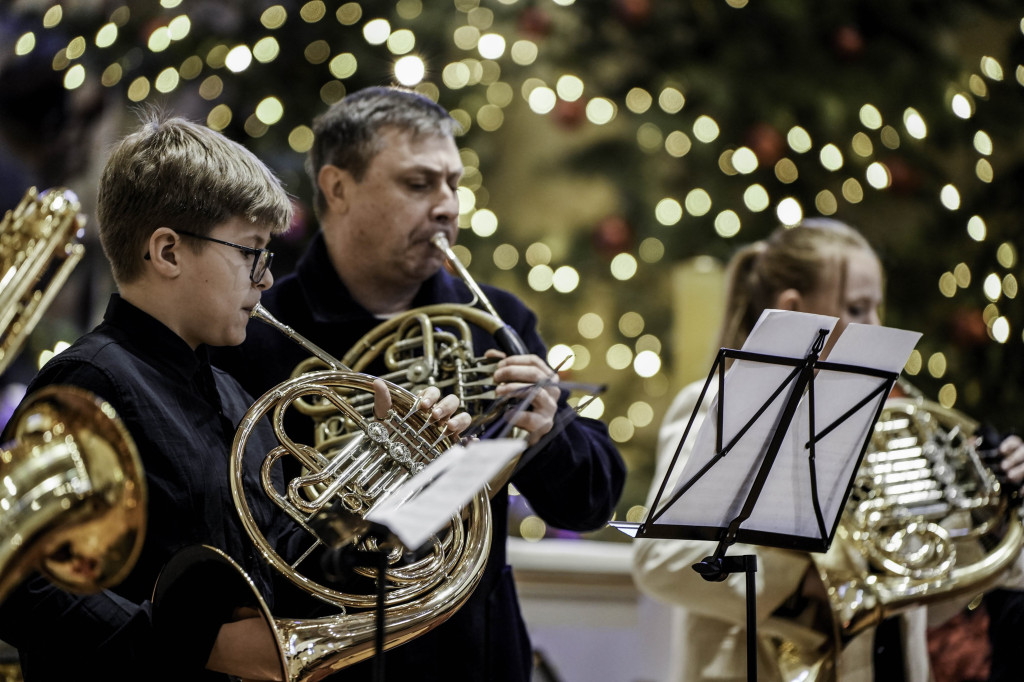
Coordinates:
(926, 522)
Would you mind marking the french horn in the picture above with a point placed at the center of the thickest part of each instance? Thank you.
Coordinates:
(927, 521)
(73, 503)
(354, 463)
(426, 346)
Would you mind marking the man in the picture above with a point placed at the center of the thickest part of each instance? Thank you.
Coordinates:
(386, 168)
(185, 216)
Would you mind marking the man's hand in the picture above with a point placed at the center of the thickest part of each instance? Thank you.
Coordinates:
(441, 410)
(515, 374)
(1011, 451)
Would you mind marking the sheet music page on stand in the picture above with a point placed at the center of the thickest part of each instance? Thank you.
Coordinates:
(785, 504)
(717, 497)
(425, 503)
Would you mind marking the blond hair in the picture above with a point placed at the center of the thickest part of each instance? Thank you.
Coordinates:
(178, 174)
(790, 258)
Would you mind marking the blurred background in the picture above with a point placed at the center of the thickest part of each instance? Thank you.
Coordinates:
(617, 152)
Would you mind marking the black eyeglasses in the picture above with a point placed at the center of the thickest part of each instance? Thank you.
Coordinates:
(262, 258)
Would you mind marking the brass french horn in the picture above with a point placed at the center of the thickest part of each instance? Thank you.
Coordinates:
(927, 521)
(354, 463)
(427, 346)
(73, 503)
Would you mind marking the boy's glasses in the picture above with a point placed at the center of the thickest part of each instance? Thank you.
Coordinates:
(262, 258)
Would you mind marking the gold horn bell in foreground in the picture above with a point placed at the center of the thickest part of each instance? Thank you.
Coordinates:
(377, 457)
(357, 461)
(73, 502)
(926, 522)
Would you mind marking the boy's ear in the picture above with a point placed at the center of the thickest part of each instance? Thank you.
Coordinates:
(164, 248)
(333, 182)
(790, 299)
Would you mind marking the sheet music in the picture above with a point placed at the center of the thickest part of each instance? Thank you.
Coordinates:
(748, 385)
(870, 346)
(785, 503)
(425, 503)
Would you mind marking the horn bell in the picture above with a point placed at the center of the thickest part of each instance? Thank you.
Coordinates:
(73, 503)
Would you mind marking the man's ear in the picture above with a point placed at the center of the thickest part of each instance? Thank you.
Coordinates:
(790, 299)
(164, 252)
(333, 183)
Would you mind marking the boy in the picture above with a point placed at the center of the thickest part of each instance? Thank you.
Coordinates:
(185, 216)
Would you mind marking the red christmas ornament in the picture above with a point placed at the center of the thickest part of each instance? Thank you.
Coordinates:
(967, 328)
(633, 12)
(612, 235)
(904, 179)
(534, 23)
(848, 42)
(767, 144)
(570, 115)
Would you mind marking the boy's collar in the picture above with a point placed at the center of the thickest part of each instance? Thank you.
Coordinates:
(153, 340)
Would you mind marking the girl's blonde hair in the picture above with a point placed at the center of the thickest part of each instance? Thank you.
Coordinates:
(790, 258)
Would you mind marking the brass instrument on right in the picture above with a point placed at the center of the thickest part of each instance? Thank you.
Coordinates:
(926, 521)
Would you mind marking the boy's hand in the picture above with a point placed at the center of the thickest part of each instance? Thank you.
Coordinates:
(1011, 451)
(442, 410)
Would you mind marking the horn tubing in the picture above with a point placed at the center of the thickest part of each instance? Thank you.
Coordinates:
(506, 337)
(263, 315)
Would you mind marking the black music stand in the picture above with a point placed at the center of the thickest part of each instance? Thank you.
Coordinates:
(792, 400)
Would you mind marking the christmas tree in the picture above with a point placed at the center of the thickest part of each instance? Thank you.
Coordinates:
(608, 142)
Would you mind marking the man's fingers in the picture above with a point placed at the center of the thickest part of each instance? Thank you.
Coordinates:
(459, 422)
(381, 399)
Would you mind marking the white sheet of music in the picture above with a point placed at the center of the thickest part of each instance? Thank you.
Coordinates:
(784, 505)
(425, 503)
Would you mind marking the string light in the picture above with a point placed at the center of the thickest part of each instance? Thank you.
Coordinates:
(486, 64)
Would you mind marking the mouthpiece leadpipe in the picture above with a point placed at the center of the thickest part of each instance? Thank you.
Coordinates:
(507, 337)
(441, 242)
(260, 313)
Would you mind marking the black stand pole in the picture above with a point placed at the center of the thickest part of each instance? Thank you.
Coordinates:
(378, 640)
(343, 527)
(716, 569)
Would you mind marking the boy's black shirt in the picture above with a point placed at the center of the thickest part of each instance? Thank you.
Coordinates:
(182, 414)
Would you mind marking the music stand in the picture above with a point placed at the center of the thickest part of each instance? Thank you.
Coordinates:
(767, 413)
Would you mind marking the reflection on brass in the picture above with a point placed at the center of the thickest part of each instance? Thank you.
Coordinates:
(39, 247)
(72, 493)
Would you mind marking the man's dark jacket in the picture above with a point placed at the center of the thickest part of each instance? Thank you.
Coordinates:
(573, 483)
